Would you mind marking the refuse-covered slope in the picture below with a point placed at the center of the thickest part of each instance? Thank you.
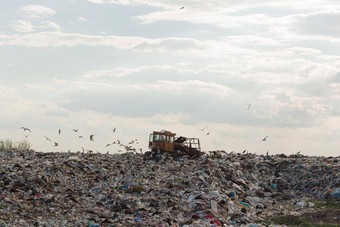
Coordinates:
(67, 189)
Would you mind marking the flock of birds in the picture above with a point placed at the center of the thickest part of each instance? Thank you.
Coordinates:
(127, 147)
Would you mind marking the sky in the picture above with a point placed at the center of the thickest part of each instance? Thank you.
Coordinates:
(227, 72)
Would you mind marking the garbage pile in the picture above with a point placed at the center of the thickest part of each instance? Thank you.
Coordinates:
(218, 189)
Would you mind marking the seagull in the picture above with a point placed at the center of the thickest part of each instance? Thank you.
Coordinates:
(114, 129)
(109, 144)
(248, 107)
(59, 131)
(80, 136)
(208, 134)
(26, 129)
(265, 138)
(91, 137)
(75, 130)
(83, 149)
(48, 138)
(26, 135)
(56, 144)
(182, 7)
(118, 141)
(202, 129)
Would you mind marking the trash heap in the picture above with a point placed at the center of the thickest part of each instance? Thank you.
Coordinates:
(217, 189)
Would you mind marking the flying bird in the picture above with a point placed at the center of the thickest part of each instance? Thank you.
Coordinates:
(59, 131)
(182, 7)
(248, 107)
(26, 129)
(109, 144)
(208, 134)
(26, 135)
(48, 138)
(75, 130)
(265, 138)
(114, 129)
(56, 144)
(202, 129)
(80, 136)
(91, 137)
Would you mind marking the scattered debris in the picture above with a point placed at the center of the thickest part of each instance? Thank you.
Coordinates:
(216, 189)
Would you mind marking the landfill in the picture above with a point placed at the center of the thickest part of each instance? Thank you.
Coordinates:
(130, 189)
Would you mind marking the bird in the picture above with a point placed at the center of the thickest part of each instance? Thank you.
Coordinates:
(244, 151)
(91, 137)
(265, 138)
(56, 144)
(48, 138)
(118, 141)
(248, 107)
(114, 129)
(59, 131)
(75, 130)
(202, 129)
(109, 144)
(182, 7)
(26, 135)
(26, 129)
(208, 134)
(80, 136)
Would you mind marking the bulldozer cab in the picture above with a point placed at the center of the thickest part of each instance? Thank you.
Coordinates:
(162, 141)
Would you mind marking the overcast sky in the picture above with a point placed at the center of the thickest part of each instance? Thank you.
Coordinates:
(246, 69)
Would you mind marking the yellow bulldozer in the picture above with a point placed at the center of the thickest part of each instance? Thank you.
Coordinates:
(167, 142)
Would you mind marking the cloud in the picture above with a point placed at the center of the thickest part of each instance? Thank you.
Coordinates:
(37, 11)
(59, 39)
(318, 24)
(81, 19)
(50, 25)
(35, 20)
(22, 26)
